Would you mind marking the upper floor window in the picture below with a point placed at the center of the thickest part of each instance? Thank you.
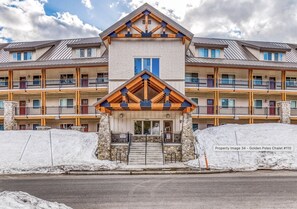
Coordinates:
(66, 78)
(89, 52)
(228, 79)
(191, 78)
(212, 53)
(228, 103)
(27, 55)
(270, 56)
(66, 103)
(102, 77)
(149, 64)
(3, 81)
(291, 81)
(258, 104)
(36, 104)
(215, 53)
(203, 52)
(293, 104)
(257, 80)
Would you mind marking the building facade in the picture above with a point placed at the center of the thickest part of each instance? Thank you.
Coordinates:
(65, 83)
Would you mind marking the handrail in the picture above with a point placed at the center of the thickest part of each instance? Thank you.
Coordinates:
(162, 143)
(129, 146)
(145, 149)
(174, 157)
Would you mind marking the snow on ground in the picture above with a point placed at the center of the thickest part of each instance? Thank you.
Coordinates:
(53, 151)
(22, 200)
(254, 134)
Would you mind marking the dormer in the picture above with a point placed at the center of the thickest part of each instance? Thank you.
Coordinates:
(86, 48)
(28, 51)
(267, 51)
(208, 48)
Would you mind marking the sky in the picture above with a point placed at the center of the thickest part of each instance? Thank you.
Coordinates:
(264, 20)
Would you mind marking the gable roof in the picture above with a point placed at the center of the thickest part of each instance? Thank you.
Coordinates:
(138, 11)
(124, 98)
(33, 45)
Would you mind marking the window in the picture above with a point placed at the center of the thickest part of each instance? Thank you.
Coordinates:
(91, 52)
(149, 21)
(66, 126)
(267, 56)
(102, 77)
(278, 56)
(294, 104)
(203, 52)
(228, 79)
(149, 64)
(17, 56)
(66, 103)
(1, 104)
(1, 127)
(81, 52)
(195, 99)
(228, 103)
(257, 80)
(258, 104)
(191, 77)
(27, 55)
(195, 126)
(35, 126)
(146, 127)
(215, 53)
(290, 81)
(36, 80)
(66, 78)
(98, 99)
(36, 104)
(3, 81)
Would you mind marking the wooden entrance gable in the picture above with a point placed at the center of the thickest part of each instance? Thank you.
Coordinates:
(145, 91)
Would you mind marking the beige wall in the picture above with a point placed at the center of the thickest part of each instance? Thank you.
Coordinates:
(171, 54)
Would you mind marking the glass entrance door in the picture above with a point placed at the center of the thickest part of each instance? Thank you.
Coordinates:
(168, 130)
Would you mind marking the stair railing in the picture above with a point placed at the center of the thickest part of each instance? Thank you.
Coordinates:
(162, 143)
(145, 149)
(129, 146)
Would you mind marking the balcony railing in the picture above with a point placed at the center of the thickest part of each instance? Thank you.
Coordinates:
(62, 83)
(1, 111)
(27, 84)
(28, 110)
(237, 84)
(98, 82)
(294, 111)
(211, 110)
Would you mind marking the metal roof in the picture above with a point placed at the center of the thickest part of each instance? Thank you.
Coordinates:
(270, 46)
(21, 46)
(86, 42)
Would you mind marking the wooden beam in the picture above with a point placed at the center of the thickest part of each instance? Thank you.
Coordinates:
(43, 103)
(284, 95)
(250, 78)
(134, 19)
(43, 122)
(43, 78)
(177, 96)
(158, 83)
(146, 22)
(155, 17)
(133, 97)
(156, 28)
(77, 97)
(171, 28)
(10, 79)
(77, 76)
(145, 90)
(216, 76)
(134, 106)
(132, 83)
(119, 29)
(136, 28)
(158, 97)
(114, 96)
(10, 96)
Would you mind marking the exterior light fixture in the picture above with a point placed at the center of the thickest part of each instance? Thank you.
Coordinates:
(167, 115)
(121, 115)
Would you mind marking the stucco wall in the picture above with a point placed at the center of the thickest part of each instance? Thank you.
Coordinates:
(171, 54)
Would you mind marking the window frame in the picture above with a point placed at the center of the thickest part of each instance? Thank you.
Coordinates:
(67, 105)
(36, 107)
(154, 65)
(150, 127)
(256, 106)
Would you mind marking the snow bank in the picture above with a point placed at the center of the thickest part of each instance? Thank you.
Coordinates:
(53, 151)
(247, 135)
(22, 200)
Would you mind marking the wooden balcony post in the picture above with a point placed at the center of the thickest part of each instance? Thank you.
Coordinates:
(77, 77)
(250, 78)
(77, 99)
(43, 78)
(216, 76)
(283, 76)
(10, 85)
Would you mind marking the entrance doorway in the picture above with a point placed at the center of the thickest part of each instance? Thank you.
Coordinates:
(210, 106)
(22, 82)
(22, 108)
(272, 83)
(210, 81)
(272, 107)
(84, 106)
(84, 80)
(168, 130)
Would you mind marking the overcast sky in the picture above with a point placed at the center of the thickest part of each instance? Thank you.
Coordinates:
(269, 20)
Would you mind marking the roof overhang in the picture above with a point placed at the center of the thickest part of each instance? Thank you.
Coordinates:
(124, 98)
(30, 47)
(265, 48)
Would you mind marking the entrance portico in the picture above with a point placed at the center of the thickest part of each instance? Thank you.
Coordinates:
(147, 109)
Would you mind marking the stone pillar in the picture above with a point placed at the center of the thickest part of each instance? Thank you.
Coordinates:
(104, 143)
(284, 111)
(187, 138)
(9, 113)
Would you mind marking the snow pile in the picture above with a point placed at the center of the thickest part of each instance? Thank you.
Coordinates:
(53, 151)
(22, 200)
(247, 135)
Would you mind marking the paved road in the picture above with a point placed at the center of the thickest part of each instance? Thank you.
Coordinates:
(212, 191)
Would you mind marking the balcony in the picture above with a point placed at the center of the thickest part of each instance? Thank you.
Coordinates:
(235, 84)
(55, 110)
(97, 82)
(211, 110)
